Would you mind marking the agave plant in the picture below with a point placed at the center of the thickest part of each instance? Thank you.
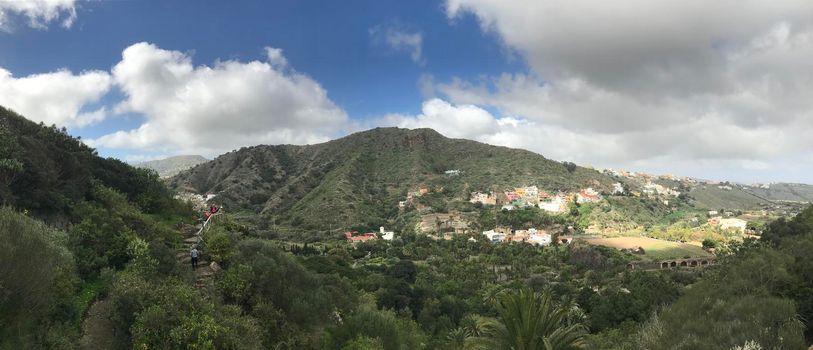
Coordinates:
(529, 321)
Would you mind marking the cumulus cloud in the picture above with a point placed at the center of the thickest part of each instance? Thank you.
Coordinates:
(463, 121)
(654, 83)
(56, 97)
(39, 13)
(211, 109)
(399, 38)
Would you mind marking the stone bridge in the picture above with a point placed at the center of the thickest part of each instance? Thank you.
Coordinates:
(672, 263)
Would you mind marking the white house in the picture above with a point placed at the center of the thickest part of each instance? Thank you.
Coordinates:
(618, 188)
(554, 204)
(531, 194)
(494, 236)
(733, 223)
(540, 239)
(588, 195)
(484, 198)
(386, 235)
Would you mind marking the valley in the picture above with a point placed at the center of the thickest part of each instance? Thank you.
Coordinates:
(393, 238)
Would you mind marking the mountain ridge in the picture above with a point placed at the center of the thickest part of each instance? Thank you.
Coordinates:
(358, 175)
(171, 166)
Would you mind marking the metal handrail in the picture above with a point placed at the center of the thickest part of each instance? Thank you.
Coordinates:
(206, 225)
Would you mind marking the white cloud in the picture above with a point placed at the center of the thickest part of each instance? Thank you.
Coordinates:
(57, 97)
(211, 109)
(398, 37)
(141, 158)
(653, 83)
(463, 121)
(39, 13)
(275, 57)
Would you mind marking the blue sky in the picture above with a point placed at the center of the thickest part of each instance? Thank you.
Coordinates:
(329, 41)
(641, 86)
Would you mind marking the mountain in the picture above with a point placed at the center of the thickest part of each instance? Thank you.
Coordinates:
(360, 178)
(713, 197)
(790, 192)
(169, 167)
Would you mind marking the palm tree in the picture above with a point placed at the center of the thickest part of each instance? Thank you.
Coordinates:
(456, 339)
(530, 321)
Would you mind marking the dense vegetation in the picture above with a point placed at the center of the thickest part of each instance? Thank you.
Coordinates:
(95, 230)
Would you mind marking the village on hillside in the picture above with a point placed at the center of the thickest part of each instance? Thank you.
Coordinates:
(667, 190)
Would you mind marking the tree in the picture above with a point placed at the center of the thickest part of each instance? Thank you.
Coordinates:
(709, 243)
(528, 321)
(404, 270)
(390, 331)
(37, 281)
(10, 168)
(570, 166)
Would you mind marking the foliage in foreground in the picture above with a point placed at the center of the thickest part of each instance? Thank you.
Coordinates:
(530, 321)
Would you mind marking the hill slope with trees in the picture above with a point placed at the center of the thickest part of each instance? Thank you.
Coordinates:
(360, 178)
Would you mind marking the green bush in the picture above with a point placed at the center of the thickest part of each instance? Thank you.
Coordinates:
(218, 245)
(37, 284)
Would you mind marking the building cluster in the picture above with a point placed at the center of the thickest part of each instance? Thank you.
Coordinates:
(555, 204)
(532, 196)
(355, 237)
(530, 236)
(198, 200)
(728, 223)
(443, 223)
(652, 188)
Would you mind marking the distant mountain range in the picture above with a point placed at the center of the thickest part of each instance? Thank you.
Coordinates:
(791, 192)
(171, 166)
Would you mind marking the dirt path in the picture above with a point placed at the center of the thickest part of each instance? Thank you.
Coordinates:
(205, 271)
(98, 331)
(97, 328)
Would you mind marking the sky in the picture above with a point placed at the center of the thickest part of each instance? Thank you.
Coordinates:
(710, 89)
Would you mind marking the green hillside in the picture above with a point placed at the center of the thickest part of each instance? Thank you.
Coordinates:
(712, 197)
(783, 192)
(360, 178)
(46, 172)
(71, 223)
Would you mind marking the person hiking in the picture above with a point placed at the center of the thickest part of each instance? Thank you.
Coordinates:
(194, 254)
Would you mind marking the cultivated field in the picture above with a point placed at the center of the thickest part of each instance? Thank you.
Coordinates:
(655, 249)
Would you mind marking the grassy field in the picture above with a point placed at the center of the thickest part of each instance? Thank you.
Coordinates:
(655, 249)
